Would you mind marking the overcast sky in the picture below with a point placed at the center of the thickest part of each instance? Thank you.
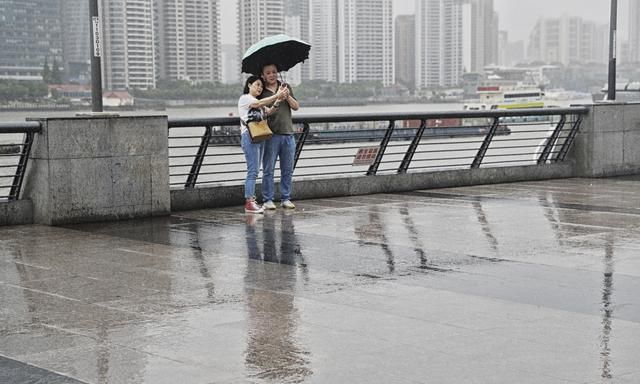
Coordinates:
(516, 16)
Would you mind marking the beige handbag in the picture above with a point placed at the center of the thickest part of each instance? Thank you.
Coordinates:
(258, 127)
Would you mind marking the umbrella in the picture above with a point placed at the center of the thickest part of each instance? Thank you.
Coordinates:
(281, 50)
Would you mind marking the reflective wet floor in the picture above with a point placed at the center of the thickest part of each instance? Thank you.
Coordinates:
(533, 282)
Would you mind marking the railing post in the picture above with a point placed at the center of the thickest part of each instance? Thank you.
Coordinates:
(373, 169)
(14, 194)
(485, 144)
(567, 142)
(408, 156)
(199, 158)
(300, 144)
(551, 141)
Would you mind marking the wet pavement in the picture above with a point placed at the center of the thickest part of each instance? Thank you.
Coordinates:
(533, 282)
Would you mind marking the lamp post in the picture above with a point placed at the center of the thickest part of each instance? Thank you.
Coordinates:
(96, 69)
(611, 87)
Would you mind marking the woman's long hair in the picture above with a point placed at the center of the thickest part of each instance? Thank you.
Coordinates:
(250, 80)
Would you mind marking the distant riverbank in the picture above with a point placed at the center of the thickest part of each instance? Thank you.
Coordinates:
(160, 105)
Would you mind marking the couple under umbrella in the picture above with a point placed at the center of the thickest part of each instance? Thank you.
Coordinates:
(270, 97)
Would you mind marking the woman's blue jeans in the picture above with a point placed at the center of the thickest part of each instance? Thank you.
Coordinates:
(281, 147)
(253, 155)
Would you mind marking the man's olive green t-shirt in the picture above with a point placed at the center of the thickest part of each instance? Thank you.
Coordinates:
(280, 120)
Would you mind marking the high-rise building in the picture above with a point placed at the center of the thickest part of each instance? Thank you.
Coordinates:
(128, 57)
(230, 64)
(439, 43)
(188, 40)
(565, 40)
(297, 25)
(75, 45)
(483, 44)
(258, 19)
(30, 35)
(405, 50)
(634, 31)
(365, 41)
(323, 32)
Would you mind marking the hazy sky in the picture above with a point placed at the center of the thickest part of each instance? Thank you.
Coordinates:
(516, 16)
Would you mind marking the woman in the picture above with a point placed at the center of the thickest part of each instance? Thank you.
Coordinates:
(253, 151)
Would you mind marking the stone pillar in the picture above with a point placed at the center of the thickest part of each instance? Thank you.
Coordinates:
(608, 143)
(99, 168)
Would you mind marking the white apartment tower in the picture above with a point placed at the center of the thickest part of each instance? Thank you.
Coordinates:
(365, 41)
(634, 31)
(439, 43)
(259, 19)
(565, 40)
(128, 54)
(323, 37)
(188, 40)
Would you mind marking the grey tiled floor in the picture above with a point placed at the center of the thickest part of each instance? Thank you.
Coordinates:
(533, 282)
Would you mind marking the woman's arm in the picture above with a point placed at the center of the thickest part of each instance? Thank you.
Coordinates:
(266, 101)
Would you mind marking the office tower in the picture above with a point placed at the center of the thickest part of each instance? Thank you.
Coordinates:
(566, 40)
(75, 45)
(365, 41)
(405, 50)
(634, 31)
(483, 45)
(258, 19)
(439, 43)
(188, 40)
(230, 64)
(128, 59)
(30, 35)
(323, 31)
(297, 25)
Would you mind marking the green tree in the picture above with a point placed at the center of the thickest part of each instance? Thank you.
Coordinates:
(56, 75)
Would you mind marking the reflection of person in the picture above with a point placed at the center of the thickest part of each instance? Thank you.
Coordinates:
(282, 145)
(253, 151)
(273, 353)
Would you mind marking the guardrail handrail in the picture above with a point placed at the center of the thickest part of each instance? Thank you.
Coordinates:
(210, 140)
(355, 117)
(22, 150)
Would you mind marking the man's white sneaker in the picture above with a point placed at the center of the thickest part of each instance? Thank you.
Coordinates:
(269, 205)
(288, 204)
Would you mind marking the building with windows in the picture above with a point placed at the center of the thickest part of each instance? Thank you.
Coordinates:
(481, 48)
(365, 41)
(188, 40)
(566, 40)
(75, 45)
(323, 37)
(30, 35)
(128, 57)
(439, 43)
(405, 50)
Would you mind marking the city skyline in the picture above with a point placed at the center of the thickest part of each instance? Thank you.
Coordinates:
(516, 17)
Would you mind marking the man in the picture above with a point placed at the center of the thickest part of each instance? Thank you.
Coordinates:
(283, 143)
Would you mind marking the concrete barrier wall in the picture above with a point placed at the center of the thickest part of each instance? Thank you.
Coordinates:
(608, 143)
(213, 197)
(98, 168)
(16, 212)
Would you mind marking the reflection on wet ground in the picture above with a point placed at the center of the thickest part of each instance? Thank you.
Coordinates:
(533, 282)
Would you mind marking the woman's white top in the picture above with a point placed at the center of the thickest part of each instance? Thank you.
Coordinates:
(244, 105)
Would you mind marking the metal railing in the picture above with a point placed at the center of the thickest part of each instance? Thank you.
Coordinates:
(206, 151)
(15, 146)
